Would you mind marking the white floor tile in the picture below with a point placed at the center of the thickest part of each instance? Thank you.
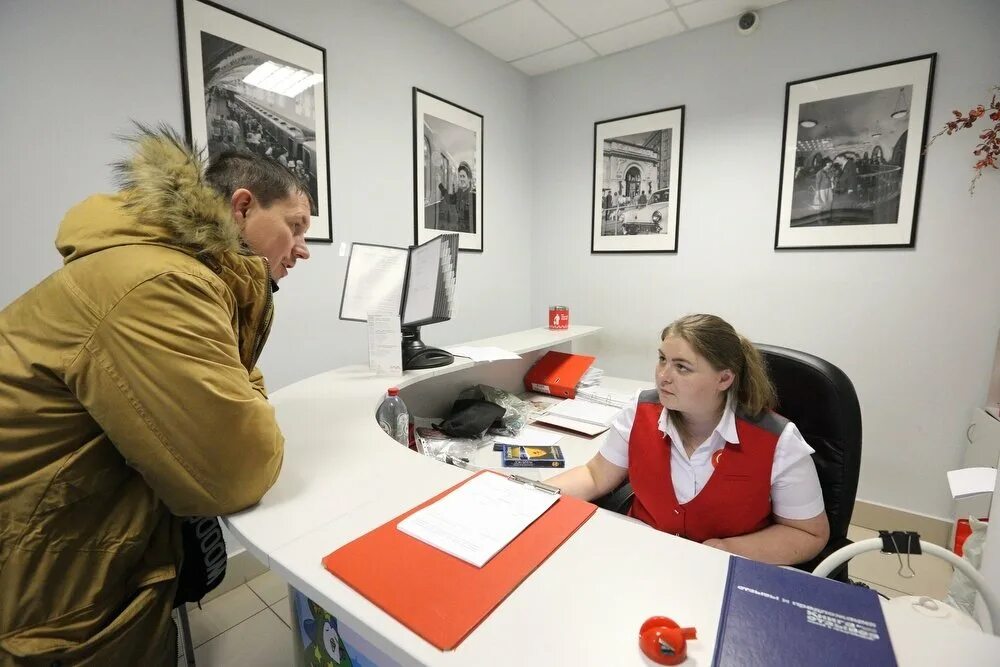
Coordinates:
(932, 574)
(269, 587)
(223, 613)
(284, 611)
(260, 641)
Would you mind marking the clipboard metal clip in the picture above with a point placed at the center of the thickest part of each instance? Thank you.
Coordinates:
(541, 486)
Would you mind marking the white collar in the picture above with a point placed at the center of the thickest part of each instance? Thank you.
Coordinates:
(726, 428)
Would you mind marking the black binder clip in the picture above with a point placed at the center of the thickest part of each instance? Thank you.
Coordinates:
(901, 542)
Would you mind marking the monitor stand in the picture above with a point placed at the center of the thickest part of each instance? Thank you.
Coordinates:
(416, 355)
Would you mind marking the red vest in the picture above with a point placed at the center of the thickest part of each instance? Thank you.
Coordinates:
(736, 500)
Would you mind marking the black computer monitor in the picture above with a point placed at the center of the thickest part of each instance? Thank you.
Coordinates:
(428, 297)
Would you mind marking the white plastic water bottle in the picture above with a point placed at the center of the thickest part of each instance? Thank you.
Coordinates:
(393, 417)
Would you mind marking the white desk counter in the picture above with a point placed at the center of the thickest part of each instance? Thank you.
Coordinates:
(342, 477)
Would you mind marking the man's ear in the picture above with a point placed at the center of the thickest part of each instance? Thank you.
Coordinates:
(240, 203)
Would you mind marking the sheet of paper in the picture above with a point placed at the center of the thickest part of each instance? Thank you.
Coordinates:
(385, 344)
(478, 519)
(618, 399)
(971, 481)
(482, 353)
(571, 424)
(530, 436)
(374, 281)
(585, 411)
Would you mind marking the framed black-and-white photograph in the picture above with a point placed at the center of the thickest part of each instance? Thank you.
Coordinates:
(637, 182)
(447, 171)
(852, 159)
(251, 87)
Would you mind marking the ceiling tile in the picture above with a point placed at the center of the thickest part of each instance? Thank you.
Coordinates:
(561, 56)
(515, 31)
(586, 17)
(634, 34)
(706, 12)
(451, 13)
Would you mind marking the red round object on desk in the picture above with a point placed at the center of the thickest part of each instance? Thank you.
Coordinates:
(663, 641)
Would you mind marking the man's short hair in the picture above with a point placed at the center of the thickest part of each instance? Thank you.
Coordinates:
(264, 177)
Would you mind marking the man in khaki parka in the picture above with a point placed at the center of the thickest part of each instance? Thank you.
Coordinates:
(129, 396)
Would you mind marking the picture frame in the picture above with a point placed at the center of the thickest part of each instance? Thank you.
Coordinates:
(636, 188)
(852, 157)
(249, 86)
(447, 171)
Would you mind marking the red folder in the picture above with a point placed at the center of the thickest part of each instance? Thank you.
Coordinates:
(434, 594)
(557, 373)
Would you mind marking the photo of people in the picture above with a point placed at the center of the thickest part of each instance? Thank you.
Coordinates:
(448, 171)
(449, 182)
(637, 182)
(636, 188)
(256, 103)
(253, 88)
(850, 158)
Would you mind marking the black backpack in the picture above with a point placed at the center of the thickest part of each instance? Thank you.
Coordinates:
(204, 564)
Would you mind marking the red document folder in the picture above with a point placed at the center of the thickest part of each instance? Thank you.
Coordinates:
(436, 595)
(557, 373)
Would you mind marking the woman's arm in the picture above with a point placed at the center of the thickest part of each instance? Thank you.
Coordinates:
(593, 480)
(785, 542)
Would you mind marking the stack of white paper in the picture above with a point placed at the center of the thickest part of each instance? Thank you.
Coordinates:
(530, 436)
(584, 411)
(618, 399)
(478, 519)
(592, 377)
(971, 481)
(580, 416)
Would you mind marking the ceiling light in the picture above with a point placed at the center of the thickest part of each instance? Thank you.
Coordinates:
(807, 122)
(283, 80)
(900, 108)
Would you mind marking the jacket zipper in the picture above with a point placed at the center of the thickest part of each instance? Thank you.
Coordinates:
(265, 324)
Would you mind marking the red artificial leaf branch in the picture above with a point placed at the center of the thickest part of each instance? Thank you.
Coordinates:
(987, 152)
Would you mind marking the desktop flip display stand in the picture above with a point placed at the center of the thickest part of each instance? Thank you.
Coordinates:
(417, 282)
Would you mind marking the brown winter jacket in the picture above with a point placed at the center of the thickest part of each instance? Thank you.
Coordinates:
(128, 396)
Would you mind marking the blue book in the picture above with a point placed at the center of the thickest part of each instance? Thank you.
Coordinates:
(774, 616)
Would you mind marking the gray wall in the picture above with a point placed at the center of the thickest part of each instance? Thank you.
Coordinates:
(74, 73)
(914, 329)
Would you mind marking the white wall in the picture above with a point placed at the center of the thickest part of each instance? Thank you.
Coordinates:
(74, 73)
(914, 329)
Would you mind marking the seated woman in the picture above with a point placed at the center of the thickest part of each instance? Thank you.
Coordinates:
(706, 456)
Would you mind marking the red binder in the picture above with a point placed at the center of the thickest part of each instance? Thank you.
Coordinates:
(434, 594)
(557, 373)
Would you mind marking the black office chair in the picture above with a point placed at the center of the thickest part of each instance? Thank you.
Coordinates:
(820, 399)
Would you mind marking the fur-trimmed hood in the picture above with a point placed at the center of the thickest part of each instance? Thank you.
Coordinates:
(164, 200)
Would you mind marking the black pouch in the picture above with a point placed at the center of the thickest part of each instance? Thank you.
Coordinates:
(204, 564)
(470, 418)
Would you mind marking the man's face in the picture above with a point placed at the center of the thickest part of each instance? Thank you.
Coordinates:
(276, 232)
(463, 180)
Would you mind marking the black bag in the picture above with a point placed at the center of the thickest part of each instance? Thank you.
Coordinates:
(470, 417)
(204, 564)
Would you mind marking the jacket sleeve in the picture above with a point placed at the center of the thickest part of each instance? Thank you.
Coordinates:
(161, 375)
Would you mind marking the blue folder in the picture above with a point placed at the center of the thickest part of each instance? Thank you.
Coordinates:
(775, 616)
